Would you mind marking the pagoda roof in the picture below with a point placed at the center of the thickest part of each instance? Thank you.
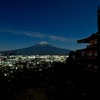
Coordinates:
(88, 39)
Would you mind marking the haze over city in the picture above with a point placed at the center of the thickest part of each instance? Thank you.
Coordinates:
(24, 23)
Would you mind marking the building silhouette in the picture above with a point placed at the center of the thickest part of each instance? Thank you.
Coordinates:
(89, 57)
(88, 60)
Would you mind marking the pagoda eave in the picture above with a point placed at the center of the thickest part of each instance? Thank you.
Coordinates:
(87, 40)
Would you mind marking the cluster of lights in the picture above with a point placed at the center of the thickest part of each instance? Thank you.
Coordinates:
(18, 63)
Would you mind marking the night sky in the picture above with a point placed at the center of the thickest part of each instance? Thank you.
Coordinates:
(24, 23)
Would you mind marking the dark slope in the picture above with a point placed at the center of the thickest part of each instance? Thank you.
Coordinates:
(39, 49)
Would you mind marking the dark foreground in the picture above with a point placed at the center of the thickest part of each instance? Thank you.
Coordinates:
(60, 82)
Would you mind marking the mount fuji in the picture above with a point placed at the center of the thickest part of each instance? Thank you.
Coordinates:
(42, 48)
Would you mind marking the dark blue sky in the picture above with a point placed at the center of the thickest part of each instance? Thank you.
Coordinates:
(24, 23)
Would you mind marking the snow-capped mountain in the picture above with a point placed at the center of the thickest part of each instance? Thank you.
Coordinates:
(42, 48)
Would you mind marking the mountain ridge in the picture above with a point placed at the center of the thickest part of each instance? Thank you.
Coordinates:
(41, 48)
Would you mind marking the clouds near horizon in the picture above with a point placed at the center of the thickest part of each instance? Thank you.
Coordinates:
(38, 35)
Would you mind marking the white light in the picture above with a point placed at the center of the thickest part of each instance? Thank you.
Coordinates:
(16, 68)
(5, 74)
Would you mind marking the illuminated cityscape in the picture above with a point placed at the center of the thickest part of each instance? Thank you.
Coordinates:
(44, 71)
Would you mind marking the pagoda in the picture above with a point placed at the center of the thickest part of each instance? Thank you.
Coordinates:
(86, 63)
(89, 57)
